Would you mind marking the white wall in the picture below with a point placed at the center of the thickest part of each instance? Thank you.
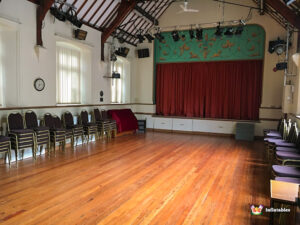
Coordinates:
(29, 62)
(211, 11)
(40, 62)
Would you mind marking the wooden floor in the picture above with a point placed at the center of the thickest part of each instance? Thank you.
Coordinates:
(155, 178)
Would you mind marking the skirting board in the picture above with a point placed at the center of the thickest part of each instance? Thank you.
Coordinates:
(198, 133)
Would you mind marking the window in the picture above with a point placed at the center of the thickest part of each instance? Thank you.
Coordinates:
(117, 84)
(68, 73)
(1, 70)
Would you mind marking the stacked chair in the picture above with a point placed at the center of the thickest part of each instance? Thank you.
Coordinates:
(71, 128)
(5, 147)
(284, 146)
(20, 137)
(102, 125)
(41, 133)
(26, 133)
(57, 132)
(112, 123)
(89, 128)
(288, 139)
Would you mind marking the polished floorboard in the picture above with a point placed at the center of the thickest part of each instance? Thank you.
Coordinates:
(152, 178)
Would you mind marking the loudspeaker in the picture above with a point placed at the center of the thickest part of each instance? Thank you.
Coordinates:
(281, 66)
(80, 34)
(143, 53)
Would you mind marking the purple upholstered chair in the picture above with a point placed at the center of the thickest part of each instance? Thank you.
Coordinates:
(278, 133)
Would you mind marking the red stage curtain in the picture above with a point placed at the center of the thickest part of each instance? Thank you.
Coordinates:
(226, 89)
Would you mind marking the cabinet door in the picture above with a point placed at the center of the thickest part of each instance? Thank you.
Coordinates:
(183, 124)
(163, 123)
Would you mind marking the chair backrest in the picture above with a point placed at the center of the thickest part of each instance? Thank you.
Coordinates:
(97, 115)
(280, 124)
(56, 121)
(31, 119)
(292, 135)
(68, 119)
(15, 121)
(84, 117)
(48, 121)
(104, 114)
(289, 126)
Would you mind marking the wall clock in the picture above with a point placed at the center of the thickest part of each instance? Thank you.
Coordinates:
(39, 84)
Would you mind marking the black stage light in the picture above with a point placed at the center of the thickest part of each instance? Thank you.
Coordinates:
(149, 37)
(121, 40)
(281, 66)
(116, 75)
(239, 30)
(141, 38)
(113, 57)
(58, 14)
(175, 35)
(159, 36)
(288, 2)
(72, 17)
(229, 31)
(219, 31)
(192, 35)
(123, 51)
(278, 46)
(199, 34)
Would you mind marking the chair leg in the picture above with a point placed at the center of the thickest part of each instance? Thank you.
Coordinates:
(9, 156)
(33, 153)
(72, 141)
(16, 154)
(41, 149)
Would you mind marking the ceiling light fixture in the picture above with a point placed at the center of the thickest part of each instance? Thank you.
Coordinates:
(141, 38)
(199, 34)
(72, 17)
(219, 31)
(239, 30)
(149, 37)
(159, 37)
(175, 35)
(229, 31)
(288, 2)
(191, 32)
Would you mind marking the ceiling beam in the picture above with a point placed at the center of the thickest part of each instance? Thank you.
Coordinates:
(96, 11)
(109, 18)
(35, 1)
(146, 14)
(124, 9)
(285, 11)
(103, 12)
(41, 12)
(87, 11)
